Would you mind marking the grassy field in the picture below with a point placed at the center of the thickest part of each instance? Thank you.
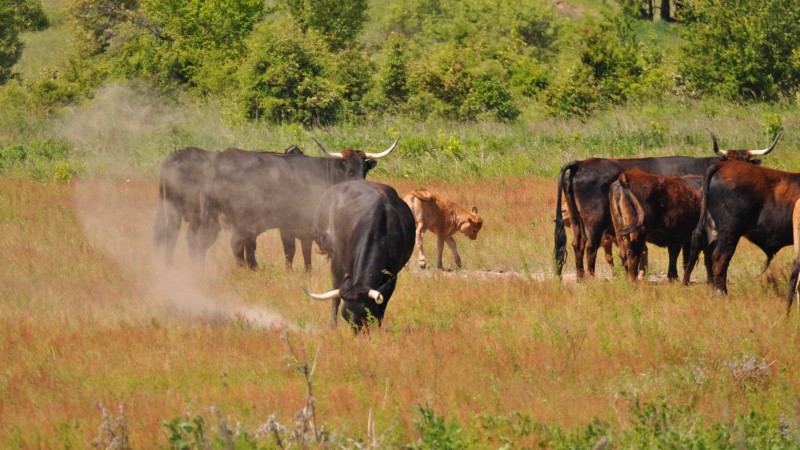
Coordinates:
(499, 354)
(90, 314)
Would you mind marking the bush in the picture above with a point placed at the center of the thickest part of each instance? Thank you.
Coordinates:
(742, 49)
(338, 21)
(47, 160)
(283, 80)
(613, 66)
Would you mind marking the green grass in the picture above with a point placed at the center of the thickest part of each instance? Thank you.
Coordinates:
(48, 49)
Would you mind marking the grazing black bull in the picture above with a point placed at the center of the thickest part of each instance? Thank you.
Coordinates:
(368, 232)
(743, 200)
(257, 192)
(587, 182)
(182, 187)
(655, 209)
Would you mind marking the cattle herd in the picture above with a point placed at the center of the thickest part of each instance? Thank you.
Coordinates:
(682, 203)
(369, 232)
(366, 229)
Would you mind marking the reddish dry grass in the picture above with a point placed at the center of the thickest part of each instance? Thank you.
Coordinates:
(88, 313)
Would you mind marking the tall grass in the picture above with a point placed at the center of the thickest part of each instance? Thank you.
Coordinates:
(89, 313)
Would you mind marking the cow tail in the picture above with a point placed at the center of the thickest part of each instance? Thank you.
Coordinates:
(159, 228)
(793, 279)
(699, 235)
(560, 236)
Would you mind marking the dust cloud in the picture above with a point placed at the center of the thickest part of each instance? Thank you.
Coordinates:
(118, 218)
(114, 129)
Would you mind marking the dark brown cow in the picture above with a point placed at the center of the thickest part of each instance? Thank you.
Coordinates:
(586, 185)
(368, 232)
(656, 209)
(743, 200)
(257, 192)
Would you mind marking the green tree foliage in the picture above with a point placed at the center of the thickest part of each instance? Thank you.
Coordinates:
(196, 43)
(17, 16)
(283, 79)
(98, 21)
(10, 45)
(742, 49)
(338, 21)
(394, 73)
(613, 66)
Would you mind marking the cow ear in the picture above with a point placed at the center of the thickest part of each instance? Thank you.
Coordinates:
(474, 210)
(371, 163)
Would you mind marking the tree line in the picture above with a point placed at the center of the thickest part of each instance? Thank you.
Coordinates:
(333, 61)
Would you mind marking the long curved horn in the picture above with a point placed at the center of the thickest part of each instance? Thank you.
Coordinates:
(325, 150)
(716, 147)
(766, 150)
(326, 296)
(383, 153)
(376, 295)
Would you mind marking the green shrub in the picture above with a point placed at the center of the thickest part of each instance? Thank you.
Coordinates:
(39, 160)
(436, 433)
(283, 77)
(742, 49)
(338, 21)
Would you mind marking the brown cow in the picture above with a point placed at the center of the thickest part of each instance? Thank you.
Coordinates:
(743, 200)
(656, 209)
(443, 217)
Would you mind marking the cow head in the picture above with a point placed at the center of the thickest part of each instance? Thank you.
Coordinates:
(745, 155)
(360, 305)
(355, 164)
(472, 225)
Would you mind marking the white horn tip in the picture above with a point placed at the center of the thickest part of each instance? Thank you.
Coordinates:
(376, 295)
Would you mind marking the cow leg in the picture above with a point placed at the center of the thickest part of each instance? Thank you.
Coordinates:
(439, 251)
(250, 252)
(305, 247)
(193, 238)
(608, 240)
(709, 264)
(672, 269)
(578, 248)
(337, 274)
(237, 246)
(592, 245)
(171, 230)
(420, 231)
(452, 244)
(720, 260)
(643, 263)
(288, 248)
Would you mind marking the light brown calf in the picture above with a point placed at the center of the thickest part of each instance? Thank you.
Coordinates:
(444, 218)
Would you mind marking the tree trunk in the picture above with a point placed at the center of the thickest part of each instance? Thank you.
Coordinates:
(665, 11)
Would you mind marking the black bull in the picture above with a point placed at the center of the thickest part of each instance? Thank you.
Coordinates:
(257, 191)
(587, 182)
(183, 185)
(368, 232)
